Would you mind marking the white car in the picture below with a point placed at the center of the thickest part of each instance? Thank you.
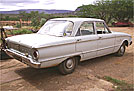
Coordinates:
(63, 42)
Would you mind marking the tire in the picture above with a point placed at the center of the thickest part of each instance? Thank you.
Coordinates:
(121, 51)
(68, 66)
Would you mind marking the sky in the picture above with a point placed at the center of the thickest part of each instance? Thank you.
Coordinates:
(8, 5)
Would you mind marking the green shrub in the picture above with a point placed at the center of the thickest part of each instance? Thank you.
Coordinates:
(18, 25)
(42, 22)
(20, 31)
(121, 85)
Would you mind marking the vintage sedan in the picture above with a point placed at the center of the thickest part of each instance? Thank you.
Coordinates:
(64, 42)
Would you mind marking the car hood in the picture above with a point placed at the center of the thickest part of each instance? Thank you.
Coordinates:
(38, 40)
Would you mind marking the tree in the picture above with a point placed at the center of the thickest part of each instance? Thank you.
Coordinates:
(104, 10)
(34, 16)
(122, 10)
(7, 18)
(86, 11)
(23, 15)
(101, 9)
(119, 10)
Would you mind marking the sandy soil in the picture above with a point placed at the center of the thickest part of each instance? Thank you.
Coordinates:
(16, 76)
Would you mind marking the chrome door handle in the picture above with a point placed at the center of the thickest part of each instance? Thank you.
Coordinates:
(100, 37)
(78, 39)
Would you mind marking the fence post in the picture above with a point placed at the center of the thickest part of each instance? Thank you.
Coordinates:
(20, 23)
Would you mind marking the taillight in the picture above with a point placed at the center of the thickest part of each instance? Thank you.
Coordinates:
(35, 54)
(6, 44)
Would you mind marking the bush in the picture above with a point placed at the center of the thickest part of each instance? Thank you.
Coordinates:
(18, 25)
(42, 22)
(23, 31)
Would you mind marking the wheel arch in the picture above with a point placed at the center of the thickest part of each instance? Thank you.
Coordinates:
(125, 42)
(77, 57)
(64, 66)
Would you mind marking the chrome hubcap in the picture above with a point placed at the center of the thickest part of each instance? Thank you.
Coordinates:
(69, 63)
(122, 49)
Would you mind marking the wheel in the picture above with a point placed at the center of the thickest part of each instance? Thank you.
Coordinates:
(68, 66)
(121, 51)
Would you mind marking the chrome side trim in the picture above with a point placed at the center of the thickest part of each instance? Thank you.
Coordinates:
(121, 36)
(86, 40)
(89, 51)
(106, 38)
(54, 45)
(98, 49)
(59, 57)
(105, 48)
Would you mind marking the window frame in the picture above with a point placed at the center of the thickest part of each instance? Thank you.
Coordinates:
(93, 26)
(105, 26)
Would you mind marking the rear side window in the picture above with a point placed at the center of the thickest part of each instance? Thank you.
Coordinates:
(69, 28)
(86, 28)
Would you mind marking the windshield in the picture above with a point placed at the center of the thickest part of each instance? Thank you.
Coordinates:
(57, 28)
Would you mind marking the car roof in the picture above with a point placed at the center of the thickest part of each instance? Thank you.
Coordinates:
(78, 19)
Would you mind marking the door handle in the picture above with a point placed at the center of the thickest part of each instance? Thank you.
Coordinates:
(78, 39)
(100, 37)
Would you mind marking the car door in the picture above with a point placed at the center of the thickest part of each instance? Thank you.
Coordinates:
(106, 39)
(86, 41)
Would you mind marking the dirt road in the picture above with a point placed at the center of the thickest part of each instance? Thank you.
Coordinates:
(16, 76)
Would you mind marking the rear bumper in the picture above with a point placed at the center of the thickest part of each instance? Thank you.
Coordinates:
(23, 58)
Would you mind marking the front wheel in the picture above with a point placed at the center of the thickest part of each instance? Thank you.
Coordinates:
(68, 66)
(121, 51)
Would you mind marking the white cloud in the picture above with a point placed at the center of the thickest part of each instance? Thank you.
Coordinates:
(42, 4)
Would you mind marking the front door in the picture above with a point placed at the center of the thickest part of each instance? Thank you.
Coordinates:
(106, 39)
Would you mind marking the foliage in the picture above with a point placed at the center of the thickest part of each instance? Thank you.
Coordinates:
(121, 85)
(9, 18)
(119, 10)
(42, 22)
(72, 16)
(87, 11)
(122, 10)
(36, 17)
(18, 25)
(24, 16)
(20, 31)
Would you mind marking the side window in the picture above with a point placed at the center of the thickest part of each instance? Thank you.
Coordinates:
(101, 29)
(69, 28)
(86, 29)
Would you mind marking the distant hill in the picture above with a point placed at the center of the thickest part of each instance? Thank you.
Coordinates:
(51, 11)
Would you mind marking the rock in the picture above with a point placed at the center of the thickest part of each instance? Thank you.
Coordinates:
(20, 89)
(105, 84)
(115, 87)
(68, 82)
(96, 89)
(91, 77)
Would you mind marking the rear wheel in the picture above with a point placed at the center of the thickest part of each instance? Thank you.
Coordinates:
(121, 51)
(68, 66)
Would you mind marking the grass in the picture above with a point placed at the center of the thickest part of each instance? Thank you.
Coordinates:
(121, 85)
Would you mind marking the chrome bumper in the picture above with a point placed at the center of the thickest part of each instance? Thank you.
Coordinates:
(22, 58)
